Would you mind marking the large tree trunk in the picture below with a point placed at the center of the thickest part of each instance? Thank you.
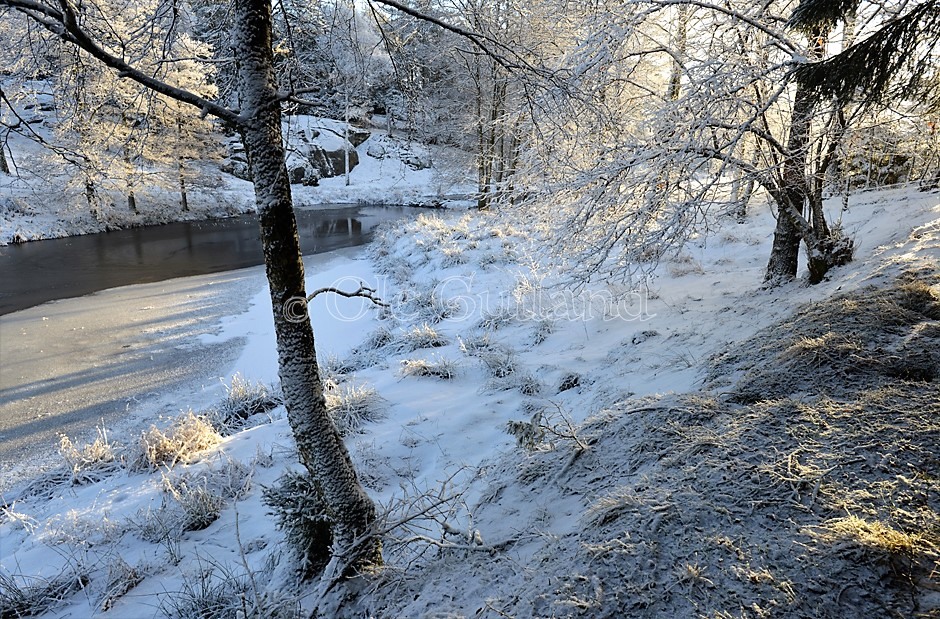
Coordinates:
(795, 196)
(791, 198)
(321, 448)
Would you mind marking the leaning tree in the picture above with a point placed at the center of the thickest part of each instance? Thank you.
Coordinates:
(257, 116)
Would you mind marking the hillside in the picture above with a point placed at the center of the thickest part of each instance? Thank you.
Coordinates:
(696, 447)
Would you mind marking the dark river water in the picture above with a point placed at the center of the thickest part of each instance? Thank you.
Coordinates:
(40, 271)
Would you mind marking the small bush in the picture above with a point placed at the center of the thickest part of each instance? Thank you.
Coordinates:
(121, 579)
(543, 328)
(300, 513)
(494, 320)
(499, 364)
(476, 345)
(440, 368)
(188, 435)
(365, 355)
(163, 525)
(205, 595)
(428, 306)
(421, 337)
(19, 598)
(202, 495)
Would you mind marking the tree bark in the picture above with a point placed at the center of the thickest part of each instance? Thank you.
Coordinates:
(320, 446)
(784, 256)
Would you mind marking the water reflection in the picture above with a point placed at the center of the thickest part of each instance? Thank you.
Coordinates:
(41, 271)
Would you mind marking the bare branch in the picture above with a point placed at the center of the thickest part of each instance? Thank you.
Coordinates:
(363, 292)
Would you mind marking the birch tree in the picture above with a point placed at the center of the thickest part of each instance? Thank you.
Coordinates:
(258, 118)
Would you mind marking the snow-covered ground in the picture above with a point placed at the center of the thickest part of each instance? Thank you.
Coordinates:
(507, 428)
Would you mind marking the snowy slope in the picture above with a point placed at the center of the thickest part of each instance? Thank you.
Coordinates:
(476, 338)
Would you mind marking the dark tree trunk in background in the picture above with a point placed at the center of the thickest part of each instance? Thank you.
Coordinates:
(4, 166)
(321, 448)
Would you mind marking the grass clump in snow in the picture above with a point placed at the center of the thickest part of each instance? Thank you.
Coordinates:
(351, 406)
(300, 513)
(22, 597)
(92, 462)
(203, 495)
(426, 305)
(441, 367)
(423, 336)
(216, 591)
(121, 579)
(243, 399)
(187, 436)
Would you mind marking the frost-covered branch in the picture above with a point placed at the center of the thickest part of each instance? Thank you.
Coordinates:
(66, 24)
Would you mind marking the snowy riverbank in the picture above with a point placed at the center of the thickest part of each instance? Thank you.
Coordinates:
(40, 203)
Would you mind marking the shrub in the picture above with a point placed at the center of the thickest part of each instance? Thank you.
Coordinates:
(121, 579)
(300, 513)
(92, 462)
(421, 337)
(202, 495)
(499, 364)
(243, 399)
(19, 598)
(351, 406)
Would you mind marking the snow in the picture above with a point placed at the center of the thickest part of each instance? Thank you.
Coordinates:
(473, 279)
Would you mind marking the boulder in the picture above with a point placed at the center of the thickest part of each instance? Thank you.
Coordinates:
(358, 136)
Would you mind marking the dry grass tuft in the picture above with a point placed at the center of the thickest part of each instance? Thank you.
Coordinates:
(877, 536)
(442, 368)
(92, 462)
(186, 437)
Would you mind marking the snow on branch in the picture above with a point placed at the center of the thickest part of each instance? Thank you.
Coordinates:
(66, 24)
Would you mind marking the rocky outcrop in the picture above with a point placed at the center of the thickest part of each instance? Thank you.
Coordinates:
(312, 153)
(413, 155)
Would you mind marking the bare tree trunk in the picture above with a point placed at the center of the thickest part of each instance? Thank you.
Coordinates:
(681, 42)
(321, 449)
(346, 131)
(482, 165)
(785, 253)
(793, 199)
(184, 197)
(4, 166)
(181, 167)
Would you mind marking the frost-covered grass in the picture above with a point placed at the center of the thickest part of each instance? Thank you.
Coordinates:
(601, 462)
